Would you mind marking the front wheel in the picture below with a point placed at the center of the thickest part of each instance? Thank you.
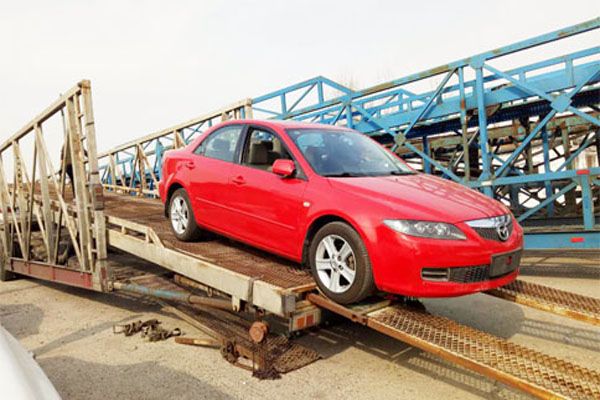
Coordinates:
(183, 223)
(340, 263)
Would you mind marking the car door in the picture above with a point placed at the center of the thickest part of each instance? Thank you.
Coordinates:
(267, 207)
(212, 161)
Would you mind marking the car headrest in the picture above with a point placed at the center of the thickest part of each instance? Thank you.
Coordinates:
(259, 154)
(277, 146)
(268, 144)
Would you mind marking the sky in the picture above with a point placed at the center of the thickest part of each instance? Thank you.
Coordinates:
(154, 64)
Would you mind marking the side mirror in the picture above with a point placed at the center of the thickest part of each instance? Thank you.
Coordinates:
(284, 168)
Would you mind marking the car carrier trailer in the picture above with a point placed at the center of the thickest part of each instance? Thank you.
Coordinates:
(63, 233)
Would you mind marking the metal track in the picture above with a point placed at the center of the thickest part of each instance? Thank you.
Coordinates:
(531, 371)
(582, 308)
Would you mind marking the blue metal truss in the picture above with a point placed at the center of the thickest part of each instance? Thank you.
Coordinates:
(513, 134)
(409, 120)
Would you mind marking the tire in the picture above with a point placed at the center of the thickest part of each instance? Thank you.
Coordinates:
(346, 277)
(4, 274)
(181, 217)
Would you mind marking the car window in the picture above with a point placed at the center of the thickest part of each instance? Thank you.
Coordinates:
(262, 149)
(345, 153)
(221, 144)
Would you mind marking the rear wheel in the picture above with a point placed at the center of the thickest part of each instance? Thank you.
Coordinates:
(4, 274)
(181, 216)
(340, 263)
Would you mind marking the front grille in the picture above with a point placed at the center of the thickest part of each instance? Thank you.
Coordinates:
(478, 273)
(489, 228)
(502, 265)
(492, 233)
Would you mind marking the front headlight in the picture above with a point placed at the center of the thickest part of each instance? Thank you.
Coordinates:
(433, 230)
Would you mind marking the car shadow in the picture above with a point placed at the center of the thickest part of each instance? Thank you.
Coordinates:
(11, 318)
(78, 379)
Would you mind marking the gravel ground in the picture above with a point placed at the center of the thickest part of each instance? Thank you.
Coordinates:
(70, 332)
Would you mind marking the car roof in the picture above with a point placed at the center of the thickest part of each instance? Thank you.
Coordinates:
(285, 124)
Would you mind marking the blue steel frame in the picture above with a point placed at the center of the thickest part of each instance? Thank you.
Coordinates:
(548, 90)
(491, 126)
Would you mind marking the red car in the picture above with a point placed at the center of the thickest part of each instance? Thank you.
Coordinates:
(337, 201)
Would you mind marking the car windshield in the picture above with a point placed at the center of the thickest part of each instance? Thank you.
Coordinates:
(337, 153)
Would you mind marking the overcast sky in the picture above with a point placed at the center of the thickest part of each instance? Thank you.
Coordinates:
(156, 63)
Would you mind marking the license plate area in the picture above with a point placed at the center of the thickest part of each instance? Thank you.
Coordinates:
(506, 263)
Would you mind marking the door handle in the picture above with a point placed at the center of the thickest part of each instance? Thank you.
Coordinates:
(239, 180)
(189, 164)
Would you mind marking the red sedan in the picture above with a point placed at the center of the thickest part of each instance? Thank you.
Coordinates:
(335, 200)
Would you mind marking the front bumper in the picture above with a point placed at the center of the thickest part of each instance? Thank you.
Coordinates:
(463, 266)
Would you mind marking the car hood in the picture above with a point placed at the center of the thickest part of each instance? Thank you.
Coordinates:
(422, 197)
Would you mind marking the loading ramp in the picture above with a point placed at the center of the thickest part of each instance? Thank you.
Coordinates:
(529, 370)
(560, 302)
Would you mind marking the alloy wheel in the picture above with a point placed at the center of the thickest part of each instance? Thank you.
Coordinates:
(179, 215)
(335, 263)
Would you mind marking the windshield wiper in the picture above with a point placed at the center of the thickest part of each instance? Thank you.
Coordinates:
(342, 175)
(398, 173)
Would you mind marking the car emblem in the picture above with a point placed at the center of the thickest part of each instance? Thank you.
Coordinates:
(503, 232)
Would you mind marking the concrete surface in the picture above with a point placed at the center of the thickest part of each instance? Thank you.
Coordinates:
(70, 332)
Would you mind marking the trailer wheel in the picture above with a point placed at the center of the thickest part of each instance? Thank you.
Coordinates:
(340, 263)
(6, 275)
(183, 224)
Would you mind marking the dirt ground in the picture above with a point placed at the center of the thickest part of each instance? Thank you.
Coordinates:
(70, 332)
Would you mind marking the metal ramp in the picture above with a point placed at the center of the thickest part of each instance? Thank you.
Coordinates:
(582, 308)
(531, 371)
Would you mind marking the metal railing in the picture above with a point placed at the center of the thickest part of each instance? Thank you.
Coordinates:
(47, 220)
(134, 167)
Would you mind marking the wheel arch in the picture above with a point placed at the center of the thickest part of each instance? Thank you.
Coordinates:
(172, 188)
(319, 222)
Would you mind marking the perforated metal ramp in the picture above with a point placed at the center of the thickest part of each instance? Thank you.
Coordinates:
(583, 308)
(531, 371)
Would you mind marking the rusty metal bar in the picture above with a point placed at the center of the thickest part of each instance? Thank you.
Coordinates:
(174, 295)
(53, 273)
